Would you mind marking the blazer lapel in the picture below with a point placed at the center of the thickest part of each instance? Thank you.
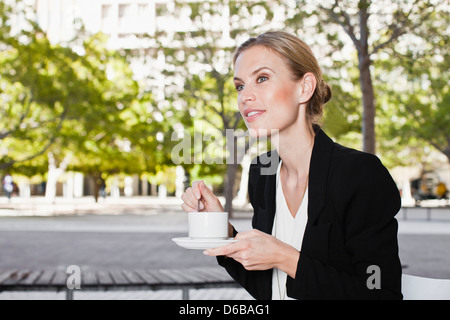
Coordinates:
(266, 193)
(318, 175)
(270, 199)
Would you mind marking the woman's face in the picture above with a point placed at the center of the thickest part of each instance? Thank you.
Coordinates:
(268, 97)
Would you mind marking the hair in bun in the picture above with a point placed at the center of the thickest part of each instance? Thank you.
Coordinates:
(327, 94)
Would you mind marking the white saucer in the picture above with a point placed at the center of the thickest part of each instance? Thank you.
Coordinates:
(202, 244)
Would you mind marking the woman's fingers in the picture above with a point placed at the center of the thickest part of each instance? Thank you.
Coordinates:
(196, 190)
(199, 191)
(186, 208)
(227, 250)
(234, 247)
(210, 200)
(194, 199)
(206, 192)
(248, 234)
(255, 250)
(187, 201)
(237, 251)
(190, 201)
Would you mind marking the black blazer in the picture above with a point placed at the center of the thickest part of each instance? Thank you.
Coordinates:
(352, 202)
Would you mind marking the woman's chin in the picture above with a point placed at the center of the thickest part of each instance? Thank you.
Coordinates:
(259, 132)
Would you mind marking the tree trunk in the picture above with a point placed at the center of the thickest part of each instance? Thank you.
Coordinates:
(445, 150)
(368, 121)
(4, 166)
(53, 175)
(97, 183)
(365, 79)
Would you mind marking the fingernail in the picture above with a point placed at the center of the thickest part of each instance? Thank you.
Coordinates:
(206, 253)
(197, 195)
(201, 206)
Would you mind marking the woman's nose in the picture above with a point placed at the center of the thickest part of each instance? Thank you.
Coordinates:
(247, 95)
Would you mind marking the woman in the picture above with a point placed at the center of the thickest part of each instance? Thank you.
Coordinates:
(324, 225)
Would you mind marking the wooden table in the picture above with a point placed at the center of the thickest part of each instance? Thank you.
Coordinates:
(107, 280)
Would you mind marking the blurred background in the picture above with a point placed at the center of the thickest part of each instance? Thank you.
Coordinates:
(95, 96)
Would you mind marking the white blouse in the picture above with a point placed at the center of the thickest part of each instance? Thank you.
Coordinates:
(289, 230)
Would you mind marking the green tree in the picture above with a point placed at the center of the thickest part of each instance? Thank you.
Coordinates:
(100, 135)
(79, 101)
(417, 90)
(38, 86)
(372, 27)
(206, 96)
(116, 134)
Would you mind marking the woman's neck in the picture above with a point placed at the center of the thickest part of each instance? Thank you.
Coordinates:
(295, 145)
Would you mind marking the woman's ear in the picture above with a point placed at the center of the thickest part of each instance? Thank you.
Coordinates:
(308, 85)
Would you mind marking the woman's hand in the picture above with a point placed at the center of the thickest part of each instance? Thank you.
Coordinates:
(199, 191)
(257, 250)
(208, 201)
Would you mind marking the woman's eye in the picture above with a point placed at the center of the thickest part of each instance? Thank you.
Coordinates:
(239, 87)
(262, 79)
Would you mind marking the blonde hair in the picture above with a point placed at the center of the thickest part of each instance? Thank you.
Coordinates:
(300, 60)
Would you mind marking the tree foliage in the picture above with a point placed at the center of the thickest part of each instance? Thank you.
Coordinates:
(371, 27)
(416, 88)
(204, 101)
(80, 99)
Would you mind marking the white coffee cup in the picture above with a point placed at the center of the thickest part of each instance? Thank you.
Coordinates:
(208, 225)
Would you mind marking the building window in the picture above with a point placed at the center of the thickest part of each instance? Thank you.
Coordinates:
(142, 10)
(106, 11)
(143, 18)
(125, 15)
(107, 18)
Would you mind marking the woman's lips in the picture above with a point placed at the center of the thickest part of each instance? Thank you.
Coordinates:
(253, 115)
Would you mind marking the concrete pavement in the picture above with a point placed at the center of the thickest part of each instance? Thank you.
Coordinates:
(125, 233)
(141, 238)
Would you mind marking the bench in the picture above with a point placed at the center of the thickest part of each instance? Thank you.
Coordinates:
(102, 280)
(428, 211)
